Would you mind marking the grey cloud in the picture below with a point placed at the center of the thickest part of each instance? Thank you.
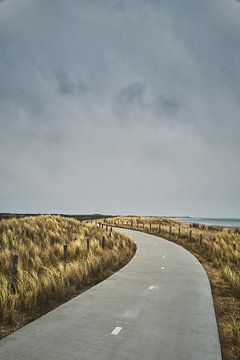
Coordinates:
(128, 100)
(73, 72)
(67, 86)
(132, 93)
(168, 105)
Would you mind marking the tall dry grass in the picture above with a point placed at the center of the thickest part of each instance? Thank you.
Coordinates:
(42, 279)
(218, 246)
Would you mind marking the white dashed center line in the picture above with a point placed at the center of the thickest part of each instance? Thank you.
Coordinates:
(163, 256)
(162, 268)
(116, 331)
(152, 287)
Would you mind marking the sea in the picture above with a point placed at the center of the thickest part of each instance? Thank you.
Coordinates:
(223, 222)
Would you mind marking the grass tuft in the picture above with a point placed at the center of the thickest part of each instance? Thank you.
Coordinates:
(44, 279)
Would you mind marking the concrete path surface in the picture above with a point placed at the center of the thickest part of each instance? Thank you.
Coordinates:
(159, 307)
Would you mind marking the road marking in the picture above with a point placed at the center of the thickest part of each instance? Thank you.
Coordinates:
(162, 268)
(163, 256)
(116, 331)
(152, 287)
(160, 249)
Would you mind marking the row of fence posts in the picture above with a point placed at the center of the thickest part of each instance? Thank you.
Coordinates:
(160, 230)
(170, 234)
(15, 257)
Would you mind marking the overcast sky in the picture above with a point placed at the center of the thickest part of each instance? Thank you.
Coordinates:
(120, 106)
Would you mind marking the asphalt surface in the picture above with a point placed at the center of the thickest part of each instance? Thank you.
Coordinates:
(159, 306)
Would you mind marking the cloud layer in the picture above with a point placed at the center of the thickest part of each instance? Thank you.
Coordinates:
(120, 106)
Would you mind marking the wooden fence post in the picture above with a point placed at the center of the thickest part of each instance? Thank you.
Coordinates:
(14, 272)
(201, 239)
(179, 233)
(170, 232)
(150, 227)
(65, 255)
(103, 242)
(190, 235)
(159, 228)
(88, 245)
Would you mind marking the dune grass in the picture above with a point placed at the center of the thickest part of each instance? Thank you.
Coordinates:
(219, 251)
(44, 277)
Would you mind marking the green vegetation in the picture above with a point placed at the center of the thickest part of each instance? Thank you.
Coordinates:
(44, 277)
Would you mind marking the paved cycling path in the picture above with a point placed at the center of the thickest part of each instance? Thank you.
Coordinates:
(157, 307)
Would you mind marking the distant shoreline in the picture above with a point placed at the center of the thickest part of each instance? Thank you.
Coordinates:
(230, 223)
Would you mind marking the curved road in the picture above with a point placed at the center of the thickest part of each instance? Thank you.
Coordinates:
(157, 307)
